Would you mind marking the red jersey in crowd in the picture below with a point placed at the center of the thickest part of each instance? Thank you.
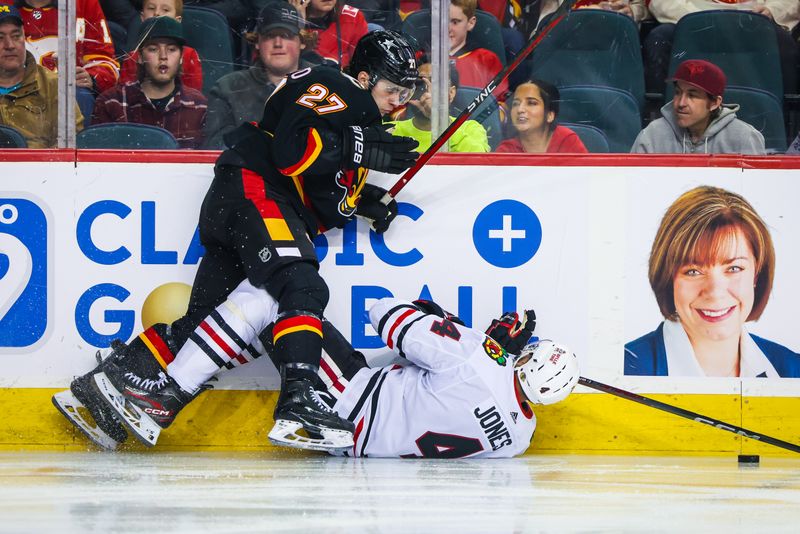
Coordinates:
(94, 49)
(191, 69)
(563, 140)
(477, 67)
(338, 40)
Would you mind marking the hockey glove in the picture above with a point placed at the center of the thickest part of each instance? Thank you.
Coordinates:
(512, 333)
(373, 147)
(428, 306)
(372, 207)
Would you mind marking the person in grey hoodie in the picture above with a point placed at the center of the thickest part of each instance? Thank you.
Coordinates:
(696, 121)
(239, 96)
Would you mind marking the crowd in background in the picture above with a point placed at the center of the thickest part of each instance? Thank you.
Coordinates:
(137, 62)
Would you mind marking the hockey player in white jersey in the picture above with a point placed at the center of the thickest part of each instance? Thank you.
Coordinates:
(460, 394)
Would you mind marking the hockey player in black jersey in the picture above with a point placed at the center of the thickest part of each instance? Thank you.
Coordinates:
(298, 172)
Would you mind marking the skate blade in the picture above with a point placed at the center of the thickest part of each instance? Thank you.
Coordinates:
(143, 427)
(284, 434)
(71, 408)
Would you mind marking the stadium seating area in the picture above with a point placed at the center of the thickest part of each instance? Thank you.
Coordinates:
(593, 56)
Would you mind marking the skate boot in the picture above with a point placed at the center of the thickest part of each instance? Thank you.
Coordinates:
(305, 421)
(83, 407)
(145, 402)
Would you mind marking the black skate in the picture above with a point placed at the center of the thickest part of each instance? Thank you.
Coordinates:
(83, 407)
(299, 407)
(145, 401)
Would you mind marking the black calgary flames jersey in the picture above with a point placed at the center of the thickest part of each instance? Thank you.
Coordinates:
(297, 145)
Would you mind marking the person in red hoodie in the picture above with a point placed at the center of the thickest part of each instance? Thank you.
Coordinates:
(534, 114)
(97, 69)
(191, 69)
(338, 27)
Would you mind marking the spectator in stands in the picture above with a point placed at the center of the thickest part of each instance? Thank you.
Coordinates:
(658, 43)
(239, 96)
(470, 136)
(696, 121)
(97, 69)
(635, 9)
(338, 27)
(158, 98)
(191, 70)
(476, 66)
(28, 91)
(534, 114)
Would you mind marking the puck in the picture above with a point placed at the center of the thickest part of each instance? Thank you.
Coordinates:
(749, 459)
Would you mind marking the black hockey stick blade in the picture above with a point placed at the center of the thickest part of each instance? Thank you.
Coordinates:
(716, 423)
(558, 16)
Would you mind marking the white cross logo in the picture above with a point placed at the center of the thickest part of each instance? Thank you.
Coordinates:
(507, 233)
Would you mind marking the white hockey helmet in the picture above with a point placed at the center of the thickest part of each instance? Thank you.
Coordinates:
(547, 371)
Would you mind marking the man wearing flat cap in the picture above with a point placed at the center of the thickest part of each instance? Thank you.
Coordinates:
(158, 97)
(696, 121)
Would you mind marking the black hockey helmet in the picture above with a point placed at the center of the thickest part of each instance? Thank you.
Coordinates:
(386, 54)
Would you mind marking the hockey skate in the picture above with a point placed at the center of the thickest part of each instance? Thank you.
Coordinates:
(83, 407)
(304, 420)
(144, 405)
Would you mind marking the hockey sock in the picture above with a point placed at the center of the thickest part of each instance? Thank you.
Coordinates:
(153, 341)
(297, 338)
(227, 338)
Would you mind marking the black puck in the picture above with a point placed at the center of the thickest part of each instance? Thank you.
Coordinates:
(749, 458)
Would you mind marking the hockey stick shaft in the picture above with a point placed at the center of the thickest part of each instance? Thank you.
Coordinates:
(716, 423)
(465, 114)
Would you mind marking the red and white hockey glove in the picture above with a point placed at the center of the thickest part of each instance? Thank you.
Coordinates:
(512, 333)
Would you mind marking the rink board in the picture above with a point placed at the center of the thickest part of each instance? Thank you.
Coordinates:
(100, 246)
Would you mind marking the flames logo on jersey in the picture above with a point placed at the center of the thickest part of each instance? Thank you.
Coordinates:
(495, 351)
(352, 182)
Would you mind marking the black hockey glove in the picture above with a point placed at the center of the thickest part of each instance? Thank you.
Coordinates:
(375, 148)
(371, 207)
(428, 306)
(512, 333)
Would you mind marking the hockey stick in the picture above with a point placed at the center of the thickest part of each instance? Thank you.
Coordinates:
(558, 16)
(716, 423)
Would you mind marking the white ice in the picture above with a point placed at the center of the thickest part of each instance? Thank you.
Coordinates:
(279, 492)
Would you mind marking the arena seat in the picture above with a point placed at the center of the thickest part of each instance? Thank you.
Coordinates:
(743, 44)
(11, 138)
(611, 110)
(761, 110)
(592, 47)
(485, 34)
(208, 32)
(592, 137)
(126, 135)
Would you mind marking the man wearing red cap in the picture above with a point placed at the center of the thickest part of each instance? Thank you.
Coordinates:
(696, 121)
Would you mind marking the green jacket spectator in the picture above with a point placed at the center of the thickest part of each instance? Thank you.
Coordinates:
(470, 137)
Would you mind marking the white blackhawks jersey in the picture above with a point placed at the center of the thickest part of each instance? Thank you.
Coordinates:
(455, 399)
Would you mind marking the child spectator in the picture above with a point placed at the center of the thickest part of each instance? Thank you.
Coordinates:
(28, 91)
(696, 120)
(476, 66)
(534, 114)
(97, 69)
(338, 27)
(470, 136)
(239, 96)
(191, 70)
(157, 97)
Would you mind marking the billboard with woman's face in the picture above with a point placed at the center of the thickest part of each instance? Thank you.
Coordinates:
(710, 266)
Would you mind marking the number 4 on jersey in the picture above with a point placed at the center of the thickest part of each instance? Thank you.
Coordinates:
(446, 328)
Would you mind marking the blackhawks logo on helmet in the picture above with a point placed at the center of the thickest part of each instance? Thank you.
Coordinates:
(495, 351)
